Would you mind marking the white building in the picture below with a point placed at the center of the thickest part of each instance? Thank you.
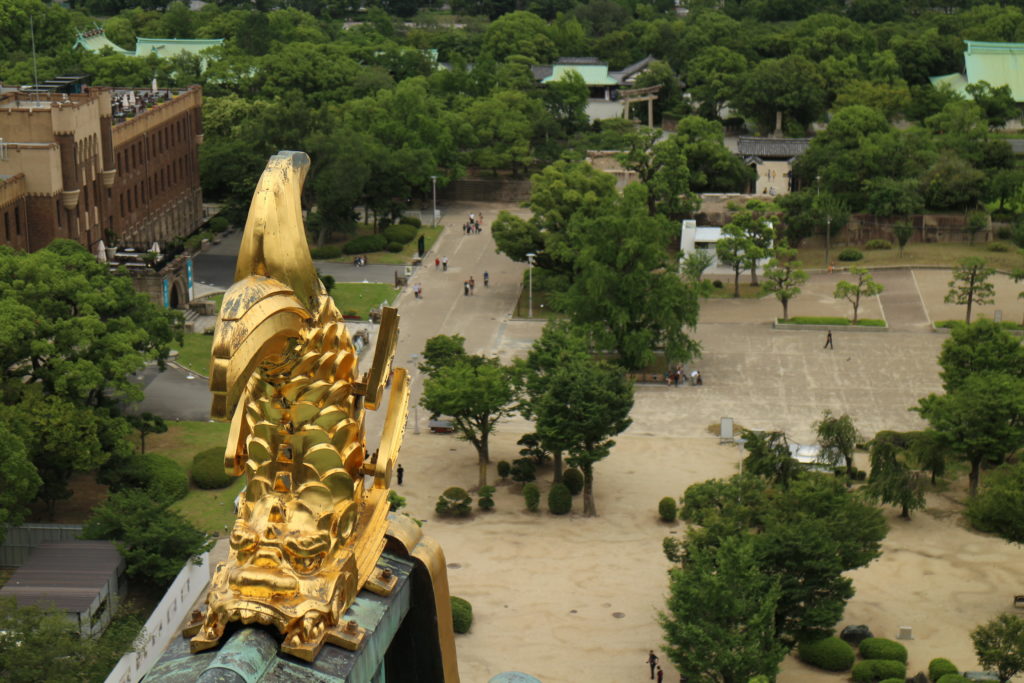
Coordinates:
(693, 237)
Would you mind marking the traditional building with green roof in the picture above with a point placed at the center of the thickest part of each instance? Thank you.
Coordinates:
(95, 40)
(997, 64)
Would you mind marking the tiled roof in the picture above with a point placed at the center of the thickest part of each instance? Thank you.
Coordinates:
(772, 148)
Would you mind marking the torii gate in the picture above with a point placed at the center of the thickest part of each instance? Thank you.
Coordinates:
(647, 95)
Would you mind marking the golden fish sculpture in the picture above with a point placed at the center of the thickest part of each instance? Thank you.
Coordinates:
(312, 519)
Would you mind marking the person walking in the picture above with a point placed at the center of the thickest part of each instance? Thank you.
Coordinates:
(400, 474)
(828, 341)
(487, 279)
(472, 284)
(652, 661)
(437, 263)
(465, 288)
(661, 675)
(444, 264)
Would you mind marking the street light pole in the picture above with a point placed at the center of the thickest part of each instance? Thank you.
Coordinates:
(433, 216)
(828, 241)
(530, 257)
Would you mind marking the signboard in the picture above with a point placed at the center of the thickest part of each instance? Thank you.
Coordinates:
(191, 288)
(167, 294)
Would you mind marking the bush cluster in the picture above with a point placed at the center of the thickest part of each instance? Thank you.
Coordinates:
(531, 494)
(850, 254)
(883, 648)
(573, 479)
(559, 500)
(208, 469)
(1001, 247)
(486, 497)
(162, 478)
(998, 507)
(413, 221)
(326, 252)
(523, 470)
(454, 502)
(830, 654)
(667, 509)
(952, 678)
(504, 468)
(462, 614)
(366, 244)
(401, 233)
(939, 667)
(878, 244)
(395, 247)
(872, 670)
(219, 224)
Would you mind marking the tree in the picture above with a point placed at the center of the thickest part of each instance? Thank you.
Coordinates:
(791, 86)
(720, 618)
(734, 250)
(852, 292)
(586, 403)
(663, 169)
(999, 506)
(783, 276)
(769, 457)
(837, 437)
(999, 645)
(902, 231)
(155, 541)
(519, 33)
(997, 104)
(712, 77)
(976, 222)
(982, 346)
(566, 100)
(892, 481)
(476, 393)
(442, 351)
(982, 419)
(20, 480)
(693, 267)
(147, 423)
(557, 345)
(713, 168)
(970, 284)
(625, 288)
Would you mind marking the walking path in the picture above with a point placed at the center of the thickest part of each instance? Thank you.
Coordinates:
(901, 301)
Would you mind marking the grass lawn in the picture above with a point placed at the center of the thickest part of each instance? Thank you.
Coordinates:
(954, 324)
(829, 320)
(916, 254)
(211, 511)
(360, 297)
(194, 352)
(540, 305)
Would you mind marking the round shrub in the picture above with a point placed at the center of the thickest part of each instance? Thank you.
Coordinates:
(366, 244)
(413, 221)
(717, 284)
(883, 648)
(219, 224)
(872, 670)
(850, 254)
(939, 667)
(395, 247)
(531, 494)
(573, 479)
(462, 614)
(999, 506)
(878, 244)
(403, 234)
(504, 468)
(667, 509)
(486, 497)
(1001, 247)
(952, 678)
(454, 502)
(166, 478)
(326, 252)
(162, 478)
(523, 470)
(830, 654)
(208, 469)
(559, 500)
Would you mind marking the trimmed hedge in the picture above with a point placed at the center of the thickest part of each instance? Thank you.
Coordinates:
(454, 502)
(162, 478)
(326, 252)
(366, 244)
(883, 648)
(395, 247)
(878, 244)
(939, 667)
(667, 509)
(895, 680)
(504, 468)
(486, 497)
(573, 479)
(531, 494)
(559, 500)
(462, 614)
(874, 670)
(208, 469)
(830, 654)
(952, 678)
(413, 221)
(403, 234)
(850, 254)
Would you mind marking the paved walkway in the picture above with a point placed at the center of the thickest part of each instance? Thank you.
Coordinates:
(901, 301)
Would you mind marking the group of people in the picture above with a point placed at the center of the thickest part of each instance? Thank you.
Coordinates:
(359, 261)
(474, 225)
(673, 377)
(441, 263)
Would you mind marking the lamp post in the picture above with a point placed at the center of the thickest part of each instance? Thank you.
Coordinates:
(529, 258)
(433, 216)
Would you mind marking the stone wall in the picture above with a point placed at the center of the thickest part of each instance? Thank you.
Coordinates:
(485, 190)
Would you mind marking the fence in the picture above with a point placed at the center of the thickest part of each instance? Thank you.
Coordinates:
(20, 540)
(162, 626)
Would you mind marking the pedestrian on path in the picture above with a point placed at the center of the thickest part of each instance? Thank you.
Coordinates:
(661, 675)
(437, 263)
(417, 290)
(472, 284)
(465, 288)
(828, 341)
(652, 660)
(400, 474)
(487, 279)
(444, 264)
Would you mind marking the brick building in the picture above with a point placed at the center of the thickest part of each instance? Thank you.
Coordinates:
(112, 164)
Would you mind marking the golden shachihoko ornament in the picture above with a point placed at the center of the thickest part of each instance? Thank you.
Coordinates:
(311, 522)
